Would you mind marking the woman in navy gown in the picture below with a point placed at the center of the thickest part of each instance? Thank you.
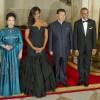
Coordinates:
(37, 76)
(11, 46)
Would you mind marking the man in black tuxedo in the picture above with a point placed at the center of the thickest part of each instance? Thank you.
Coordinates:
(84, 40)
(60, 44)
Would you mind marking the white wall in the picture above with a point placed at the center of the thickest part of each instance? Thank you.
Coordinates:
(96, 11)
(49, 7)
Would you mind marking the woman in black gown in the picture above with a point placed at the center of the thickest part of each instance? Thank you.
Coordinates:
(36, 74)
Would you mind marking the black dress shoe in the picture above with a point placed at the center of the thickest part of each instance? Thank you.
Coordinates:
(64, 84)
(86, 84)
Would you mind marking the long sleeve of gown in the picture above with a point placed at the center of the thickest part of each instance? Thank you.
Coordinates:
(19, 45)
(1, 36)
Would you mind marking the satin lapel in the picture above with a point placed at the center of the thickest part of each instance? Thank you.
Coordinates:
(81, 27)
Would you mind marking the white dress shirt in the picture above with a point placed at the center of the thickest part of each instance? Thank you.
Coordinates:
(85, 25)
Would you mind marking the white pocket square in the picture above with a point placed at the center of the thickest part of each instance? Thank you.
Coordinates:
(90, 27)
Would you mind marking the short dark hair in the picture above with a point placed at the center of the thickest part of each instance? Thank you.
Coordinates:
(60, 10)
(11, 14)
(84, 8)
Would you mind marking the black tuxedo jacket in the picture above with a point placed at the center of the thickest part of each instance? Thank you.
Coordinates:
(80, 40)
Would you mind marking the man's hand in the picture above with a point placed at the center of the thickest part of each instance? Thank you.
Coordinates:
(71, 51)
(51, 53)
(94, 51)
(76, 53)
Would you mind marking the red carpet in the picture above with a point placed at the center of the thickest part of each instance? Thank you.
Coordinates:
(73, 76)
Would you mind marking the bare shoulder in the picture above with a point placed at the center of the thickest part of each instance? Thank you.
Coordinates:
(44, 23)
(27, 30)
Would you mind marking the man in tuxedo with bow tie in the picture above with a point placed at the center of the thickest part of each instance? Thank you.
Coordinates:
(84, 38)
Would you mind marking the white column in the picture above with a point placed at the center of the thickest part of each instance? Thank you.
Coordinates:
(88, 4)
(94, 8)
(2, 9)
(76, 6)
(1, 17)
(85, 3)
(96, 11)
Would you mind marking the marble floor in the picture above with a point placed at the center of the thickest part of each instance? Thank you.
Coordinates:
(83, 95)
(76, 95)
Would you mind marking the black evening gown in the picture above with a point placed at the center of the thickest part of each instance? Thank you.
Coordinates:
(36, 74)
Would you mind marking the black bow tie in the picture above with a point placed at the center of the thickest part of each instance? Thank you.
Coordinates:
(85, 21)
